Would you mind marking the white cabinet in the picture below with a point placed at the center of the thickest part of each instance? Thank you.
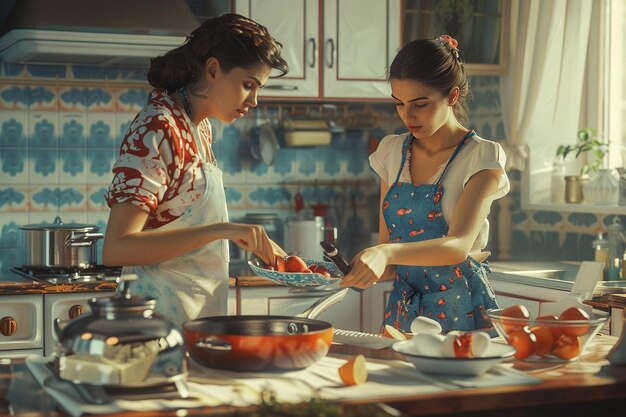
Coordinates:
(21, 319)
(334, 48)
(283, 301)
(375, 299)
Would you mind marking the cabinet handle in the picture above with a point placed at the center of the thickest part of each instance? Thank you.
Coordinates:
(314, 53)
(8, 326)
(281, 87)
(76, 310)
(331, 57)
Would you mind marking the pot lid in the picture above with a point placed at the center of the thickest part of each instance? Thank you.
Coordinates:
(59, 225)
(123, 301)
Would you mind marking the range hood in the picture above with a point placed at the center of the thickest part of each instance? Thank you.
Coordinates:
(93, 32)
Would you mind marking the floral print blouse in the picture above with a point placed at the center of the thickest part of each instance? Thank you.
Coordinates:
(159, 168)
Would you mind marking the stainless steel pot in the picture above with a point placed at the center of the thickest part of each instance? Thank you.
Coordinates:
(60, 245)
(121, 344)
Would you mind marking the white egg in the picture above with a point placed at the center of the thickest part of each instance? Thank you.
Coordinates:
(423, 324)
(427, 344)
(480, 344)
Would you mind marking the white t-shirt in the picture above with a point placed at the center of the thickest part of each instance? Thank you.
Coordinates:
(474, 156)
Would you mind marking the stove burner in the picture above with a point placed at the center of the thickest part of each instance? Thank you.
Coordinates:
(70, 275)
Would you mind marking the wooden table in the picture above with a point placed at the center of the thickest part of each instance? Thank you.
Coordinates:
(589, 387)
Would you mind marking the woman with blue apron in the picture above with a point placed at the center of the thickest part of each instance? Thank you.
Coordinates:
(437, 185)
(454, 295)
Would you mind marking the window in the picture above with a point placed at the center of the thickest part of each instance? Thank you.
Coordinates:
(615, 83)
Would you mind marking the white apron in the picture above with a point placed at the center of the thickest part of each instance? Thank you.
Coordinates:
(195, 284)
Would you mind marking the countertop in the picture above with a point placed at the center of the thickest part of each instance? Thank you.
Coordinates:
(590, 386)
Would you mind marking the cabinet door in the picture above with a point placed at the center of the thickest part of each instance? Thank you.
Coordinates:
(21, 324)
(294, 23)
(375, 298)
(361, 39)
(65, 307)
(480, 27)
(280, 301)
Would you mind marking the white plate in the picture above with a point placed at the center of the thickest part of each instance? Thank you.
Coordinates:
(495, 354)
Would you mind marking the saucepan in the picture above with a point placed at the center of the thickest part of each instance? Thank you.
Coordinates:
(262, 343)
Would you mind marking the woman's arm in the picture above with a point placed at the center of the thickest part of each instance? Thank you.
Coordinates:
(469, 215)
(126, 243)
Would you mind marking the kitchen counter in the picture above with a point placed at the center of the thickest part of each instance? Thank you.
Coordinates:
(587, 387)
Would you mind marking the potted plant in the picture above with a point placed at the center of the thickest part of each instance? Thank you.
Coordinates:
(582, 165)
(588, 144)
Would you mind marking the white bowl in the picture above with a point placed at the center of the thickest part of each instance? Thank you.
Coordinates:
(495, 354)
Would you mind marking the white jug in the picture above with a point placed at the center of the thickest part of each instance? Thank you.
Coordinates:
(304, 236)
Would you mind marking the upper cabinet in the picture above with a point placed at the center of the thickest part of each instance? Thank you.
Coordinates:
(335, 48)
(341, 49)
(480, 26)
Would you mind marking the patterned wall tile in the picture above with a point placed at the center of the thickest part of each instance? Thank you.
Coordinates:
(13, 97)
(100, 100)
(95, 197)
(73, 198)
(13, 129)
(72, 169)
(10, 233)
(131, 99)
(122, 123)
(14, 166)
(43, 166)
(44, 198)
(72, 99)
(42, 98)
(99, 163)
(43, 130)
(100, 130)
(14, 199)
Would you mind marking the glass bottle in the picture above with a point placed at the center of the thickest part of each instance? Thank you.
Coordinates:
(601, 251)
(616, 250)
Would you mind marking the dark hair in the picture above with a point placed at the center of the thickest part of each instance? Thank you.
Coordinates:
(436, 64)
(234, 40)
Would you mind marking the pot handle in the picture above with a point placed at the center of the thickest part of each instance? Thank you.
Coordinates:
(82, 239)
(213, 344)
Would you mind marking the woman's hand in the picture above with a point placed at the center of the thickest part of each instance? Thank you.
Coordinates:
(367, 267)
(253, 238)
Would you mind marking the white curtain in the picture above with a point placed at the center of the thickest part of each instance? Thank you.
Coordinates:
(542, 91)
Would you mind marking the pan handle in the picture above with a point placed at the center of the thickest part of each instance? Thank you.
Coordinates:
(213, 344)
(324, 303)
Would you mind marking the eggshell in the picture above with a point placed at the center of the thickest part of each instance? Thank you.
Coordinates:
(423, 324)
(427, 344)
(480, 344)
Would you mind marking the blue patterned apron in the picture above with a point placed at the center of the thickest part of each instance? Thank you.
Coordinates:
(454, 295)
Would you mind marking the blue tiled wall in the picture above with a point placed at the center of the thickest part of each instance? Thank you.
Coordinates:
(59, 139)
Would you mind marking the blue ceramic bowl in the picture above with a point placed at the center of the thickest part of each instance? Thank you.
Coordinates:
(298, 279)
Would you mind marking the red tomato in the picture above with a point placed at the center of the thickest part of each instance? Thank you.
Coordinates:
(545, 340)
(567, 347)
(280, 264)
(313, 267)
(554, 329)
(524, 341)
(463, 347)
(322, 270)
(574, 313)
(293, 263)
(518, 312)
